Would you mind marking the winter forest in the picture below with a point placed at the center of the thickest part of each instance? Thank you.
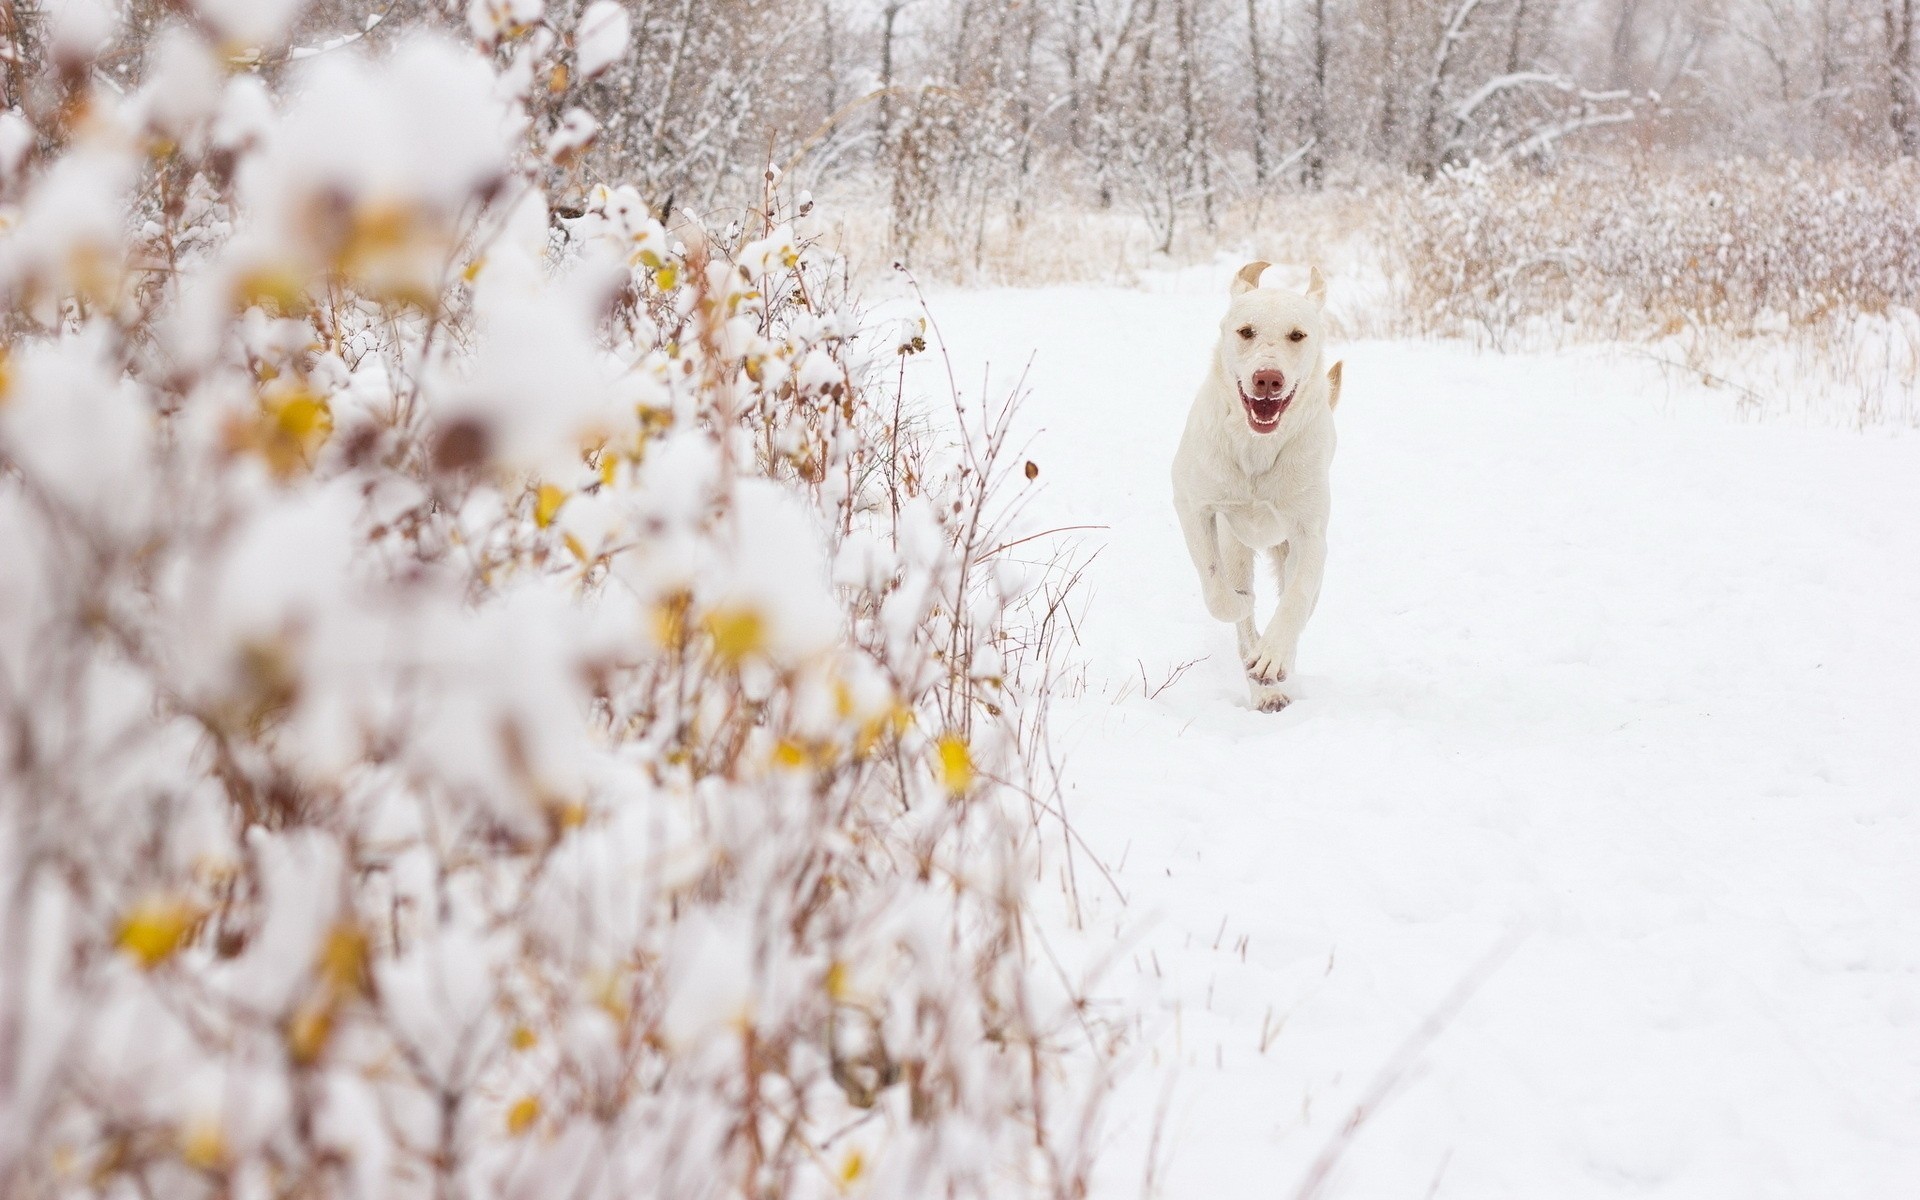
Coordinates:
(589, 608)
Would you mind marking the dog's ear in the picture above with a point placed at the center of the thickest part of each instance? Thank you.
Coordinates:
(1248, 278)
(1317, 287)
(1333, 385)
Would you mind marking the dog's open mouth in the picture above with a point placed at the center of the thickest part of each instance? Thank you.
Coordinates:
(1263, 413)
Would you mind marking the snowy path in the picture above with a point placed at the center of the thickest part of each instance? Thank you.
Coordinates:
(1594, 667)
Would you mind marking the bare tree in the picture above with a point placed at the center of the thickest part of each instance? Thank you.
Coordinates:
(1903, 91)
(888, 16)
(1256, 61)
(1316, 159)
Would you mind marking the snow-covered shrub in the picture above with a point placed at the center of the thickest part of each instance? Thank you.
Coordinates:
(1624, 249)
(490, 705)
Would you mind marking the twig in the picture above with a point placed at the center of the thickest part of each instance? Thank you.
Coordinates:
(1706, 376)
(1043, 533)
(1153, 693)
(1396, 1069)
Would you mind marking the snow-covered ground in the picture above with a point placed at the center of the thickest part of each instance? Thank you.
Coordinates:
(1599, 675)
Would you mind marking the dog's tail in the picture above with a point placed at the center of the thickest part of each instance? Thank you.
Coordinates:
(1333, 385)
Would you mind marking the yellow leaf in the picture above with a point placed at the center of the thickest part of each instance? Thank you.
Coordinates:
(308, 1032)
(525, 1111)
(837, 981)
(378, 228)
(670, 619)
(524, 1038)
(653, 420)
(956, 764)
(609, 464)
(294, 424)
(736, 633)
(665, 278)
(156, 928)
(790, 754)
(547, 500)
(852, 1167)
(279, 288)
(473, 269)
(201, 1144)
(567, 814)
(574, 547)
(343, 960)
(303, 414)
(894, 721)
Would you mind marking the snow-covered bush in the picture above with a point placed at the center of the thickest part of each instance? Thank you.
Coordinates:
(1621, 249)
(490, 704)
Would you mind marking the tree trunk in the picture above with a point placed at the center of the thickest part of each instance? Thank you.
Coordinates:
(1259, 65)
(886, 76)
(1519, 30)
(1317, 157)
(1390, 81)
(1071, 52)
(1199, 165)
(1435, 150)
(1901, 84)
(830, 66)
(1623, 30)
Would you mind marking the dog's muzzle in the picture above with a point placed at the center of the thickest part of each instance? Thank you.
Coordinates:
(1269, 400)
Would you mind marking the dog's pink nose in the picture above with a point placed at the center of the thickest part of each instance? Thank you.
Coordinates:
(1268, 384)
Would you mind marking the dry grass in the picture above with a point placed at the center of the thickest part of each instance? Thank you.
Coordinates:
(1061, 243)
(1629, 250)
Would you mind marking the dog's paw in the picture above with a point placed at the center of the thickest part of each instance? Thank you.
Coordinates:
(1270, 700)
(1267, 666)
(1229, 605)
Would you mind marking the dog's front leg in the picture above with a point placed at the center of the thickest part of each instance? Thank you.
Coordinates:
(1305, 559)
(1228, 598)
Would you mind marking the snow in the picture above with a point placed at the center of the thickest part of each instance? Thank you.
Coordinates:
(1600, 675)
(427, 126)
(250, 22)
(77, 30)
(601, 38)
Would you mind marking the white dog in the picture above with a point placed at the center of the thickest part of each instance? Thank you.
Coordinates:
(1251, 471)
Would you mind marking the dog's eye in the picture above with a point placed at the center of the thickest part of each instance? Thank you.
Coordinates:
(1298, 335)
(1246, 331)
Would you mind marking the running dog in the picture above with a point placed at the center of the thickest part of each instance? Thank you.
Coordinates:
(1251, 472)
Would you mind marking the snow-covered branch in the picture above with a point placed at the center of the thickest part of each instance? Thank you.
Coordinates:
(1541, 140)
(1500, 84)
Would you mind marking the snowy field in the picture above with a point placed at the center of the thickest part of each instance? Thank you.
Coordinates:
(1601, 676)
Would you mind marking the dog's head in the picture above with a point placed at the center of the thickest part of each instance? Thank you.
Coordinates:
(1270, 345)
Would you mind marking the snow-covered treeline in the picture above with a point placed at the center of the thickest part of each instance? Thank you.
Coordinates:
(493, 701)
(946, 117)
